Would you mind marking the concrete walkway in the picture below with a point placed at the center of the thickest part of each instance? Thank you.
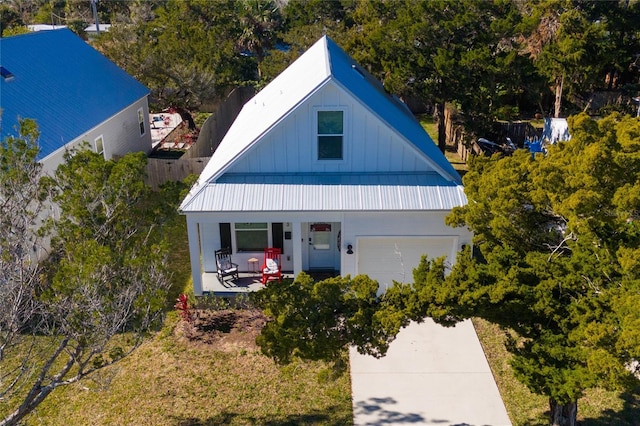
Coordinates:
(431, 375)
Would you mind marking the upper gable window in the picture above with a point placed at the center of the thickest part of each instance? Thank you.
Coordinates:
(330, 135)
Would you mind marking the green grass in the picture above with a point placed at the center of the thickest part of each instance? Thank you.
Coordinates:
(431, 127)
(169, 381)
(599, 407)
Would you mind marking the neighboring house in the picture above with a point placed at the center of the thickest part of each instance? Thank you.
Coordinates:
(92, 30)
(74, 93)
(324, 164)
(45, 27)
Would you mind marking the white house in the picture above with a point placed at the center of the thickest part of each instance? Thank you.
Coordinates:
(324, 164)
(74, 93)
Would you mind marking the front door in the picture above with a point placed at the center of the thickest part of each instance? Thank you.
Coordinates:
(322, 245)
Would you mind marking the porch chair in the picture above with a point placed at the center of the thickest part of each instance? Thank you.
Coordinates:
(224, 266)
(271, 268)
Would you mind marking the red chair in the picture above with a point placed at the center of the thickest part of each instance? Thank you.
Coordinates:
(272, 266)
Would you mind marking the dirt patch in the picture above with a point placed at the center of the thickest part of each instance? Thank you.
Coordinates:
(225, 330)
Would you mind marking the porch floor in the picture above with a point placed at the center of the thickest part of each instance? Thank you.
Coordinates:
(247, 282)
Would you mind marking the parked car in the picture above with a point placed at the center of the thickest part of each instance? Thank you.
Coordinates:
(490, 148)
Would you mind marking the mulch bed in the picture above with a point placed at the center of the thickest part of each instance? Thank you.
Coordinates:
(226, 330)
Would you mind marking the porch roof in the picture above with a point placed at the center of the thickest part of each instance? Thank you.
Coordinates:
(328, 192)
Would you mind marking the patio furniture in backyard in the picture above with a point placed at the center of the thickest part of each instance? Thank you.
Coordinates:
(271, 268)
(224, 266)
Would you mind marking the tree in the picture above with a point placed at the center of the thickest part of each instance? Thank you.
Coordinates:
(566, 44)
(25, 10)
(101, 290)
(186, 55)
(19, 269)
(9, 19)
(619, 52)
(442, 51)
(259, 20)
(320, 320)
(556, 261)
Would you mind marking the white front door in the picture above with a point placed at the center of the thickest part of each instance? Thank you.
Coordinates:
(322, 245)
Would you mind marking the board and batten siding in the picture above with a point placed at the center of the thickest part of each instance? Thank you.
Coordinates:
(369, 145)
(120, 135)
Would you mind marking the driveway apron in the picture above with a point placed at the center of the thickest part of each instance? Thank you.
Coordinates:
(431, 375)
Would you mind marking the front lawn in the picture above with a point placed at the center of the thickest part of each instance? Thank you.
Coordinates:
(175, 380)
(172, 380)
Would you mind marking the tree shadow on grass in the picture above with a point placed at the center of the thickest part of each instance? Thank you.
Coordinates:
(629, 415)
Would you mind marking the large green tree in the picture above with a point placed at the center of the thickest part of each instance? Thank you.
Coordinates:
(556, 256)
(320, 320)
(441, 51)
(567, 43)
(187, 54)
(92, 301)
(303, 23)
(9, 19)
(260, 20)
(20, 208)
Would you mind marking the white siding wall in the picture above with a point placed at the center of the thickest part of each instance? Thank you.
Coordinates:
(210, 242)
(389, 259)
(120, 134)
(368, 146)
(124, 131)
(354, 227)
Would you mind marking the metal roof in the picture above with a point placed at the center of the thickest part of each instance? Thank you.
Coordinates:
(322, 63)
(268, 107)
(63, 83)
(328, 192)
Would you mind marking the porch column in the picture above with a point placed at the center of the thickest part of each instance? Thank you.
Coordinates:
(296, 235)
(194, 254)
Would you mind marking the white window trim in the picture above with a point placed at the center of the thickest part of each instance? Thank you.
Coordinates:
(345, 132)
(141, 122)
(95, 144)
(234, 240)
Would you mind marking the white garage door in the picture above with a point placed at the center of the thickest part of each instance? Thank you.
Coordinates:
(388, 259)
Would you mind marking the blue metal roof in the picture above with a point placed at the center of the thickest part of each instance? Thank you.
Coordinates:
(63, 83)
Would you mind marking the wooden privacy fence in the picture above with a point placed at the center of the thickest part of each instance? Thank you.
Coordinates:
(457, 137)
(161, 170)
(465, 143)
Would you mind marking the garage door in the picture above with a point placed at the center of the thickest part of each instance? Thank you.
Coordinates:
(388, 259)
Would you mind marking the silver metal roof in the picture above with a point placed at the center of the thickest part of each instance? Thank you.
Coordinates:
(321, 64)
(328, 192)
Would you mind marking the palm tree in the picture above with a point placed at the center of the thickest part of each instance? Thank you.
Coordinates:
(259, 20)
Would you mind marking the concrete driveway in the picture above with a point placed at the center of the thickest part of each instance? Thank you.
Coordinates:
(431, 375)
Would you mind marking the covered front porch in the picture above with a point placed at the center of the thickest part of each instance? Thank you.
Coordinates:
(309, 245)
(248, 282)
